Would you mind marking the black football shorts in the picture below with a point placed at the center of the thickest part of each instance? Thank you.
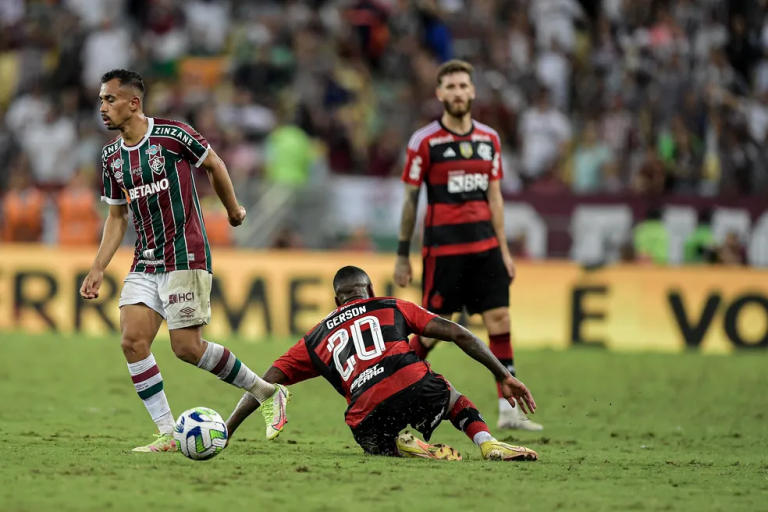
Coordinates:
(479, 282)
(422, 406)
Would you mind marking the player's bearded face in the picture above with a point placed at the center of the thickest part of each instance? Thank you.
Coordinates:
(456, 93)
(457, 107)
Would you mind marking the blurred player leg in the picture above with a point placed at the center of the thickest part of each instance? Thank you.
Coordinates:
(497, 323)
(423, 346)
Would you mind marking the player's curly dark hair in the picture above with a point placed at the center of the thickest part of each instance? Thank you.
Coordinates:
(126, 78)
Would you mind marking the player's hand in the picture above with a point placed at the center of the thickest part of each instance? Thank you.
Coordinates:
(515, 391)
(92, 284)
(237, 217)
(509, 264)
(403, 275)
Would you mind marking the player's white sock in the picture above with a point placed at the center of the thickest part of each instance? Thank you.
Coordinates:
(222, 363)
(149, 385)
(505, 406)
(482, 437)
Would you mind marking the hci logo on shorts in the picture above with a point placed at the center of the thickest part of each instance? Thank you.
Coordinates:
(178, 298)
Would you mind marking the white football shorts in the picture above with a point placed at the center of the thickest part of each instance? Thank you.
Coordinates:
(182, 297)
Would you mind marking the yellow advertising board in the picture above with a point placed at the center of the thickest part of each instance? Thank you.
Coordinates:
(281, 294)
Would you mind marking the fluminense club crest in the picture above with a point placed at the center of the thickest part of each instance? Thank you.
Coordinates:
(117, 169)
(156, 158)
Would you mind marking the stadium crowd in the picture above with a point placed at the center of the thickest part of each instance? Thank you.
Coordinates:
(594, 96)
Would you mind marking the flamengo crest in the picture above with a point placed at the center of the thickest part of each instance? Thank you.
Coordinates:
(485, 151)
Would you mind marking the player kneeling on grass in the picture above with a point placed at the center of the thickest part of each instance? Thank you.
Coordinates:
(362, 350)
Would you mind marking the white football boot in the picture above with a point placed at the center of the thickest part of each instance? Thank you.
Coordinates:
(514, 418)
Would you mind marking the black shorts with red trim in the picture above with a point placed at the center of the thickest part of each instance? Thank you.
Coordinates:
(478, 281)
(422, 406)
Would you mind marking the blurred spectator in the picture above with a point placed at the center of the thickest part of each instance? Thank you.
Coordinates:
(384, 155)
(554, 22)
(359, 240)
(553, 70)
(369, 18)
(208, 21)
(651, 239)
(700, 245)
(733, 252)
(22, 208)
(651, 177)
(51, 148)
(545, 133)
(289, 156)
(436, 34)
(287, 238)
(743, 48)
(29, 110)
(591, 162)
(107, 48)
(79, 221)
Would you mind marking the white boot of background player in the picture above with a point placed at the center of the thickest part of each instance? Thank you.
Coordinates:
(514, 418)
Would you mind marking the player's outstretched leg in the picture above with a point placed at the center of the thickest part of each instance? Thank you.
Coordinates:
(500, 343)
(189, 346)
(465, 417)
(140, 325)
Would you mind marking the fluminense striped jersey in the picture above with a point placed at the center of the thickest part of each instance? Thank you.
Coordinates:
(155, 179)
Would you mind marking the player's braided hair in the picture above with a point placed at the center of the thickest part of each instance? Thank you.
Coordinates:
(126, 78)
(454, 66)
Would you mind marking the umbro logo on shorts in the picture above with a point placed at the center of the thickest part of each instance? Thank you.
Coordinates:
(187, 312)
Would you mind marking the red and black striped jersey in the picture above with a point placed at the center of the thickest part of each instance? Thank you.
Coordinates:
(362, 350)
(457, 170)
(155, 179)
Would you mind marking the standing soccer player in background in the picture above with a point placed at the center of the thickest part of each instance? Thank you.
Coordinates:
(148, 169)
(466, 259)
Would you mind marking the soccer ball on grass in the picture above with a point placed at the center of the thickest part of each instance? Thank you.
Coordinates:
(200, 433)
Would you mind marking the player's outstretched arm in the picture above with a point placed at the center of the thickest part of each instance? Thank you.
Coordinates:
(114, 232)
(442, 329)
(403, 274)
(222, 184)
(248, 404)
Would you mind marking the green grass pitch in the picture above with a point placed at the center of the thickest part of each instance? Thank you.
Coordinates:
(623, 432)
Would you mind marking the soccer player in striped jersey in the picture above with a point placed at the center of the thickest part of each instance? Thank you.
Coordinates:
(362, 350)
(147, 170)
(467, 263)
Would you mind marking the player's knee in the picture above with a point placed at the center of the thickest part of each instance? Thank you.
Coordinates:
(135, 346)
(189, 349)
(497, 320)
